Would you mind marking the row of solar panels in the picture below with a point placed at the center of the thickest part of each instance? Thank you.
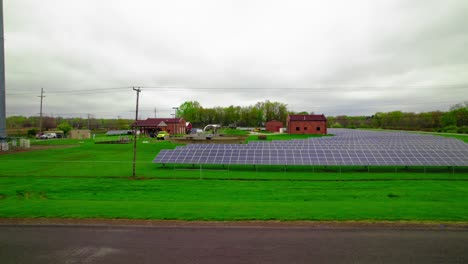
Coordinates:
(318, 148)
(365, 141)
(452, 158)
(181, 157)
(339, 153)
(347, 147)
(455, 146)
(318, 141)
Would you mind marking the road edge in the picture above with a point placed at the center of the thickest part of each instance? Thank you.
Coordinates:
(250, 223)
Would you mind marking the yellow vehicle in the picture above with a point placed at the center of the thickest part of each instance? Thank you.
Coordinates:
(162, 135)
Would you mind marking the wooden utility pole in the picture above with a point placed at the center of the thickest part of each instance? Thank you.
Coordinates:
(138, 90)
(175, 118)
(40, 113)
(89, 115)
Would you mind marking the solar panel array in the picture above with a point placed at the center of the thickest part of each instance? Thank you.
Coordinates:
(346, 147)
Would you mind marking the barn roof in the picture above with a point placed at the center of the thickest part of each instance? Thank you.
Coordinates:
(154, 122)
(307, 118)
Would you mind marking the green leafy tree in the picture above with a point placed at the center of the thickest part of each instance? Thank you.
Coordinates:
(16, 121)
(32, 132)
(191, 111)
(232, 115)
(123, 124)
(65, 127)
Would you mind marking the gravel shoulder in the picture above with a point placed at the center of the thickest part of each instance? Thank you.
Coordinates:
(256, 224)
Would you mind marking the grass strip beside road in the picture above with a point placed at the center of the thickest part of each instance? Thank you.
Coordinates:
(232, 200)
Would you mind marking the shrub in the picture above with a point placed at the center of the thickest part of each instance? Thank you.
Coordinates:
(450, 129)
(463, 130)
(336, 125)
(32, 132)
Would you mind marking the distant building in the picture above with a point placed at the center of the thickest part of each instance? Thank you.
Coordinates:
(307, 124)
(188, 127)
(152, 126)
(273, 126)
(80, 134)
(119, 132)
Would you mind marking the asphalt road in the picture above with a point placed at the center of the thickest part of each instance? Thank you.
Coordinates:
(229, 244)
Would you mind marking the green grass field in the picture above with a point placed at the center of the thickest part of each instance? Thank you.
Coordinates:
(462, 137)
(232, 200)
(233, 132)
(86, 180)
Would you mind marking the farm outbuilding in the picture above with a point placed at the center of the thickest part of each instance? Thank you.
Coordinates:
(273, 126)
(152, 126)
(119, 132)
(80, 134)
(307, 124)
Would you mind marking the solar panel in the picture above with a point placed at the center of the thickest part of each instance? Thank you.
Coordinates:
(347, 147)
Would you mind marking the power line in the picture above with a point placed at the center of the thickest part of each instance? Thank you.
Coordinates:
(317, 88)
(296, 106)
(284, 89)
(86, 91)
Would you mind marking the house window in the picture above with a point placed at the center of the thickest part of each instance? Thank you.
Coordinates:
(318, 128)
(298, 128)
(305, 128)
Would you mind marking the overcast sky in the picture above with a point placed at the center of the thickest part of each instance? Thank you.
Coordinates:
(332, 57)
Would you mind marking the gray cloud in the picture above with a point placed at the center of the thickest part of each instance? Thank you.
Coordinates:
(356, 57)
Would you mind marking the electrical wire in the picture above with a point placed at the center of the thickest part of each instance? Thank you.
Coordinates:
(311, 89)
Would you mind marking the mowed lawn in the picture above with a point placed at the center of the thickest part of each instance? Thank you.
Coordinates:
(82, 158)
(233, 200)
(90, 180)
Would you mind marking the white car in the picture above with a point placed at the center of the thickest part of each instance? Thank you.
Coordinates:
(48, 136)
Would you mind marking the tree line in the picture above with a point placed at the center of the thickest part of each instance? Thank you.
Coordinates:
(21, 125)
(244, 116)
(453, 121)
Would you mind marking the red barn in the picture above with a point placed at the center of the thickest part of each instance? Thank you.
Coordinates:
(273, 125)
(307, 124)
(152, 126)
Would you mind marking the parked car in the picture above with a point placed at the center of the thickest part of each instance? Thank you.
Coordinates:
(196, 130)
(48, 136)
(162, 135)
